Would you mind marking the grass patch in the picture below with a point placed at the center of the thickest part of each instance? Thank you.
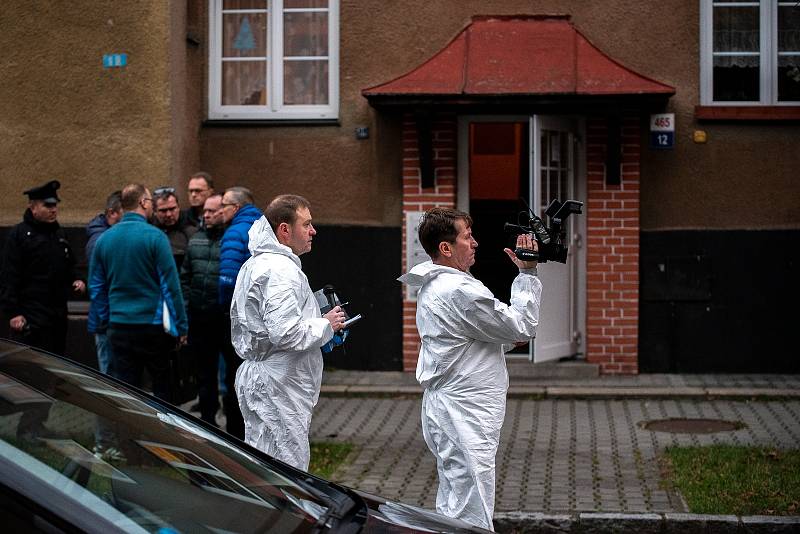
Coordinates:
(726, 479)
(327, 456)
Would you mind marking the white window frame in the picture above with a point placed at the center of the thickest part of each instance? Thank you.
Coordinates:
(274, 109)
(768, 54)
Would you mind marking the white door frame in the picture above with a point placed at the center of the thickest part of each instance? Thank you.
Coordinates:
(576, 125)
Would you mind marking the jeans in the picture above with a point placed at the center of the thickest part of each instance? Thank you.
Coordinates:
(103, 348)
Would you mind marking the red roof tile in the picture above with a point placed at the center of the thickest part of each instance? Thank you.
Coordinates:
(520, 55)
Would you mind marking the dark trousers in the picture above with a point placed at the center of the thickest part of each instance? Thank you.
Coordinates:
(206, 338)
(233, 414)
(52, 337)
(135, 348)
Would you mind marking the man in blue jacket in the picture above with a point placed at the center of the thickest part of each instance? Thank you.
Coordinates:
(239, 212)
(134, 284)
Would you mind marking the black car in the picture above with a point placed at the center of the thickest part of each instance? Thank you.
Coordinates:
(166, 471)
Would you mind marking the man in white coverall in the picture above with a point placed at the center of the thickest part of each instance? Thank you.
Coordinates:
(277, 329)
(465, 332)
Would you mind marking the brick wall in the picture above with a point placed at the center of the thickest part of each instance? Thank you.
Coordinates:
(415, 198)
(612, 255)
(612, 303)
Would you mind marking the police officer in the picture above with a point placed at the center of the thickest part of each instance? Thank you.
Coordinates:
(38, 273)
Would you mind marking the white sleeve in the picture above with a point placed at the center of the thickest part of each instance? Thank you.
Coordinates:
(485, 318)
(282, 314)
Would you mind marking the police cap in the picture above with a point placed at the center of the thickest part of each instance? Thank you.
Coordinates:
(46, 192)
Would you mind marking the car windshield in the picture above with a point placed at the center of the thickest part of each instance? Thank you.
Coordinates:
(158, 470)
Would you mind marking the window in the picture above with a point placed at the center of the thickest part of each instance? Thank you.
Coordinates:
(273, 59)
(750, 52)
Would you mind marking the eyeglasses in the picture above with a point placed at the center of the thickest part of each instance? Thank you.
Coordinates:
(164, 191)
(147, 198)
(226, 204)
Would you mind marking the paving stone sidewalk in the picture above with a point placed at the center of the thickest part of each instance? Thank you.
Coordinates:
(556, 455)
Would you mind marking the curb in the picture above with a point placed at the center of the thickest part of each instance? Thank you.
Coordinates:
(578, 392)
(648, 523)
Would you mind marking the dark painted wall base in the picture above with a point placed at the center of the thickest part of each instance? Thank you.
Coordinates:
(711, 301)
(720, 302)
(362, 263)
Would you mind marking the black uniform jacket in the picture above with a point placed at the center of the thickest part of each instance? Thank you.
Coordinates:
(37, 273)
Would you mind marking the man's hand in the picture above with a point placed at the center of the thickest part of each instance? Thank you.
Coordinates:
(336, 318)
(523, 241)
(17, 323)
(183, 340)
(78, 286)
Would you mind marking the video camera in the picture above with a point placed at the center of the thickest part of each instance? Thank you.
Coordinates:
(550, 240)
(327, 299)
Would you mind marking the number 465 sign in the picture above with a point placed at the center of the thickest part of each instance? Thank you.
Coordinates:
(662, 131)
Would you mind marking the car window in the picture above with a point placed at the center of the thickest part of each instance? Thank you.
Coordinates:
(157, 470)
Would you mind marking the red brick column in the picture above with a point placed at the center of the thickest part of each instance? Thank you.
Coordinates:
(415, 198)
(612, 255)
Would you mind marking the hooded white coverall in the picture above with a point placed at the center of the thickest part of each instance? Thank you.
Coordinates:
(277, 329)
(465, 332)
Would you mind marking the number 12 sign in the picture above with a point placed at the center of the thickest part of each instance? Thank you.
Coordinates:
(662, 131)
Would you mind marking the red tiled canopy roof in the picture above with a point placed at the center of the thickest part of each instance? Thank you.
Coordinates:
(520, 55)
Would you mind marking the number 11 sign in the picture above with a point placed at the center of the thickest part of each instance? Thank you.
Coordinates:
(662, 131)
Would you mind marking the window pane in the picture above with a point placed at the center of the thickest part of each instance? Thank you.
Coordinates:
(244, 83)
(789, 53)
(244, 35)
(736, 76)
(244, 4)
(733, 83)
(305, 34)
(295, 4)
(305, 82)
(789, 29)
(789, 79)
(736, 29)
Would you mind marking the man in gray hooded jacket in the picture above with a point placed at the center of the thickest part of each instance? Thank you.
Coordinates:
(277, 329)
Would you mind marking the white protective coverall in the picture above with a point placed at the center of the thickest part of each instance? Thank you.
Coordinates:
(465, 332)
(277, 329)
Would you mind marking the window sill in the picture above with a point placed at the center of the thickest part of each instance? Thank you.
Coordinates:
(223, 123)
(747, 113)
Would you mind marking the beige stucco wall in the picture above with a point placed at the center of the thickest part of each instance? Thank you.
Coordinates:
(741, 178)
(63, 116)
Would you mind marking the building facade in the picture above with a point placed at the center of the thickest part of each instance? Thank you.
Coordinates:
(675, 124)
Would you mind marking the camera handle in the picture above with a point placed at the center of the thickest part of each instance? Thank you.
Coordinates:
(526, 254)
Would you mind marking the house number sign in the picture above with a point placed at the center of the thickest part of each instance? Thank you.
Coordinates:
(662, 131)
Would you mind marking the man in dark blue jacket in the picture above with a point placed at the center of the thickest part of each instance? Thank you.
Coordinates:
(95, 228)
(134, 283)
(240, 212)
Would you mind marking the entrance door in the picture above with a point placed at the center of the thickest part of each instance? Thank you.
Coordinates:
(554, 178)
(499, 162)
